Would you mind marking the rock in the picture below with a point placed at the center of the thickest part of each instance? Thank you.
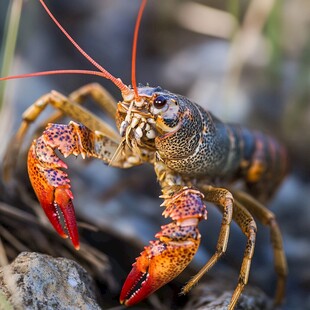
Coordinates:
(37, 281)
(215, 294)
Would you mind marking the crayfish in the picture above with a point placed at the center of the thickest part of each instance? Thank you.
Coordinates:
(192, 152)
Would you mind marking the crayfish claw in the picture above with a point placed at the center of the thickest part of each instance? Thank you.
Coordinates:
(137, 279)
(63, 199)
(165, 258)
(158, 264)
(52, 188)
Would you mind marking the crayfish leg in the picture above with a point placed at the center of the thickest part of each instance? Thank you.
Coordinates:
(267, 218)
(223, 198)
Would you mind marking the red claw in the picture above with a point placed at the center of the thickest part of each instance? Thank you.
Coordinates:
(138, 272)
(165, 258)
(52, 188)
(158, 264)
(63, 199)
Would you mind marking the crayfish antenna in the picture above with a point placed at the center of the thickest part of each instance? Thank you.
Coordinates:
(134, 49)
(106, 74)
(126, 91)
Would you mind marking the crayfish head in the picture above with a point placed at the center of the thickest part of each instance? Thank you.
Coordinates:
(135, 121)
(157, 121)
(156, 112)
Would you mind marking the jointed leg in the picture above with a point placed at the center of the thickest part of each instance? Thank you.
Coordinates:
(100, 96)
(65, 106)
(93, 90)
(267, 218)
(230, 209)
(248, 226)
(222, 197)
(72, 110)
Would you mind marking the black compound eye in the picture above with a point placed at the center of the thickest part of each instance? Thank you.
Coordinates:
(160, 102)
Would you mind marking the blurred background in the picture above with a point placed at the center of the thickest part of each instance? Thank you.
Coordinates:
(246, 61)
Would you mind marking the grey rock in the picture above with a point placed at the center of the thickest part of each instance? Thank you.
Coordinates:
(216, 294)
(37, 281)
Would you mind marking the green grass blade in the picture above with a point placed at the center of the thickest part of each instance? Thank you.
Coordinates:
(9, 41)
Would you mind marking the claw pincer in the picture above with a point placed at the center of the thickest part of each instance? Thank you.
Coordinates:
(167, 257)
(50, 183)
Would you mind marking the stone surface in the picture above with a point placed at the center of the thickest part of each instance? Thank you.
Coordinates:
(216, 294)
(37, 281)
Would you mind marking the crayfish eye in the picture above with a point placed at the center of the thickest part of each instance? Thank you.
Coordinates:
(159, 102)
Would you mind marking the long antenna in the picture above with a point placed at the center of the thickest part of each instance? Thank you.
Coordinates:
(102, 72)
(52, 72)
(134, 49)
(106, 74)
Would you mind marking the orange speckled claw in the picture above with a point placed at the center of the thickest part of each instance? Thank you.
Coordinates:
(167, 257)
(158, 264)
(52, 188)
